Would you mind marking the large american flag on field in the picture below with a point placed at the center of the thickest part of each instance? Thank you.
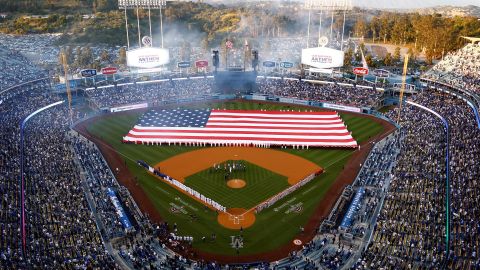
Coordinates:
(241, 127)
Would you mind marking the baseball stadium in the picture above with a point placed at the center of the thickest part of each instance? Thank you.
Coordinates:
(239, 135)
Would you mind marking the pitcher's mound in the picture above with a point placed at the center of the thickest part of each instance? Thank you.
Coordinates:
(236, 218)
(236, 183)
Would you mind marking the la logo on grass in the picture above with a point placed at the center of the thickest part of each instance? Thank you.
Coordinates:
(237, 241)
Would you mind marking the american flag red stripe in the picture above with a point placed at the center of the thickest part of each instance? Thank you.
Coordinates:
(318, 129)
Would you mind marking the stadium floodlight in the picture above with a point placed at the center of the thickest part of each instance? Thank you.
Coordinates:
(132, 4)
(142, 4)
(327, 5)
(333, 5)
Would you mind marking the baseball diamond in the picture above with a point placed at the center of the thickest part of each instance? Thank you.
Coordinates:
(192, 164)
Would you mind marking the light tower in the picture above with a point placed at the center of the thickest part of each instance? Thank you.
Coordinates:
(143, 4)
(323, 6)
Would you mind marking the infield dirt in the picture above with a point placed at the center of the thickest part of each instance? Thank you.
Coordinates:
(236, 183)
(295, 168)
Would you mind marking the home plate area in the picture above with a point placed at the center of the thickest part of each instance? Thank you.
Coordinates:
(236, 218)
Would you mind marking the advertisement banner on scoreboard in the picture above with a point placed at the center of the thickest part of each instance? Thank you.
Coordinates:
(147, 57)
(269, 64)
(381, 73)
(201, 63)
(322, 57)
(361, 71)
(321, 70)
(183, 64)
(109, 70)
(341, 107)
(129, 107)
(286, 64)
(88, 72)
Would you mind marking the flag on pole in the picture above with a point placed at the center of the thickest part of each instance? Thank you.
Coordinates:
(364, 62)
(317, 129)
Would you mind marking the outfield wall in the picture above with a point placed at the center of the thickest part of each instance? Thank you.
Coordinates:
(261, 97)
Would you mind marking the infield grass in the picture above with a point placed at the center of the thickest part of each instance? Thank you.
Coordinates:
(261, 185)
(275, 226)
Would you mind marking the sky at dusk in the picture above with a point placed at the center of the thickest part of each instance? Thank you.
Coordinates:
(412, 3)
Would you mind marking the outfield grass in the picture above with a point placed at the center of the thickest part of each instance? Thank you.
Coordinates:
(274, 226)
(261, 185)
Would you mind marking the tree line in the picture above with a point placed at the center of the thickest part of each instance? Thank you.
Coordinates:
(433, 34)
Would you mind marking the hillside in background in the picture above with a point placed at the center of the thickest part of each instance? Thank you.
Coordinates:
(207, 25)
(450, 11)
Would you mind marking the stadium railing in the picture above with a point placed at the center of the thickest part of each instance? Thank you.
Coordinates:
(472, 99)
(447, 177)
(23, 84)
(22, 174)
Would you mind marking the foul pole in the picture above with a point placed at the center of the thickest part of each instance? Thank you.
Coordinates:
(67, 84)
(308, 27)
(343, 29)
(319, 26)
(163, 3)
(402, 89)
(126, 28)
(138, 28)
(150, 22)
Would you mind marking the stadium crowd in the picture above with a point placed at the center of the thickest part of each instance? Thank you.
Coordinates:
(155, 93)
(16, 69)
(38, 48)
(169, 90)
(61, 230)
(459, 68)
(320, 92)
(410, 228)
(98, 178)
(464, 148)
(31, 97)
